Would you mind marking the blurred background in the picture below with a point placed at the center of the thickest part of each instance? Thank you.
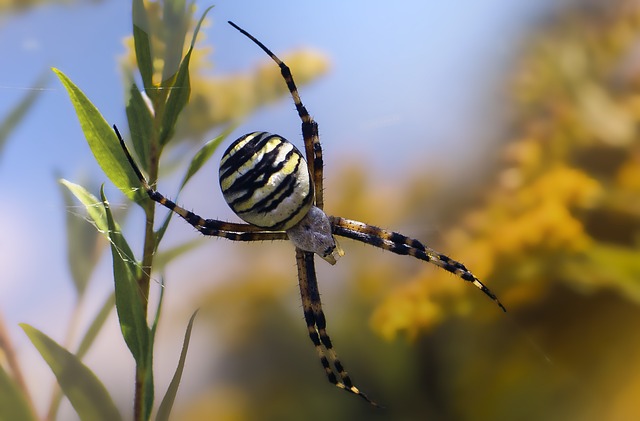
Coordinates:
(503, 134)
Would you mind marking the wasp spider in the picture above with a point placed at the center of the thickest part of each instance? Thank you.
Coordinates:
(268, 183)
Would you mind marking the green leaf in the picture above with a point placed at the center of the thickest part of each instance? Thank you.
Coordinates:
(167, 402)
(97, 214)
(130, 313)
(89, 336)
(201, 157)
(80, 385)
(163, 258)
(178, 97)
(148, 385)
(180, 90)
(14, 405)
(142, 45)
(83, 247)
(20, 111)
(128, 301)
(95, 327)
(103, 142)
(176, 16)
(140, 126)
(199, 25)
(91, 203)
(156, 319)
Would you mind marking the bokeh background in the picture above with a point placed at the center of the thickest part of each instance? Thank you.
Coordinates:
(504, 134)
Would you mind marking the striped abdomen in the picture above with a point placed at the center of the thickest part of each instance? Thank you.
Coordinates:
(265, 180)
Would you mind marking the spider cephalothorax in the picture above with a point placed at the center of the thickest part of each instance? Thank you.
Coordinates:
(267, 182)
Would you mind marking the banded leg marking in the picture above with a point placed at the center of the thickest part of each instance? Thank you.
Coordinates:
(313, 149)
(210, 227)
(400, 244)
(316, 325)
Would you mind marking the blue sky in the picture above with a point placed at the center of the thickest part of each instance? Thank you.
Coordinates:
(417, 83)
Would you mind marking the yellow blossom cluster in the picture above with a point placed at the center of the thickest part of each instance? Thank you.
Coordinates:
(218, 101)
(568, 184)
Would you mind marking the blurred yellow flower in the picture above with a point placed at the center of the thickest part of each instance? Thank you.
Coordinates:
(217, 101)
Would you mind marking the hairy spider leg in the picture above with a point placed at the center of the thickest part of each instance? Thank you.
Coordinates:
(313, 149)
(316, 325)
(401, 244)
(209, 227)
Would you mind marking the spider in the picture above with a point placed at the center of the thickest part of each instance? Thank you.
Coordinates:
(268, 183)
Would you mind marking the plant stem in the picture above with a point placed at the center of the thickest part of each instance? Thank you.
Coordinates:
(144, 280)
(143, 288)
(147, 257)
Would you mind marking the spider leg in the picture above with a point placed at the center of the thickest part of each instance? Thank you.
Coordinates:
(400, 244)
(316, 325)
(312, 146)
(209, 227)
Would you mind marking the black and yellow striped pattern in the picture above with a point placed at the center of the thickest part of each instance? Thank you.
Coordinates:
(266, 182)
(229, 230)
(313, 149)
(317, 326)
(401, 244)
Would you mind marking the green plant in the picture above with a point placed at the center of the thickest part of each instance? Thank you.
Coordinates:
(154, 130)
(156, 123)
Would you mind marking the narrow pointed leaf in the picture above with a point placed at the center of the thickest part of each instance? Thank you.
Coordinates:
(130, 313)
(167, 402)
(176, 16)
(83, 245)
(199, 25)
(179, 93)
(140, 125)
(102, 141)
(180, 90)
(156, 318)
(85, 391)
(202, 156)
(131, 316)
(89, 336)
(142, 44)
(19, 111)
(163, 258)
(95, 326)
(149, 386)
(13, 403)
(97, 214)
(92, 204)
